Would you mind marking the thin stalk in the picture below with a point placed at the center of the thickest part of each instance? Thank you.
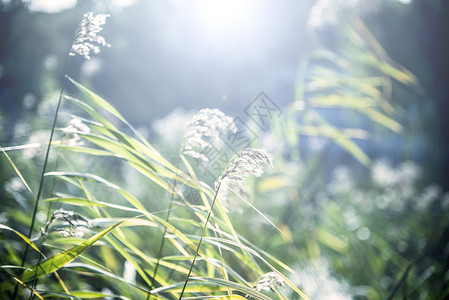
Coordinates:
(41, 182)
(161, 247)
(201, 239)
(34, 283)
(401, 280)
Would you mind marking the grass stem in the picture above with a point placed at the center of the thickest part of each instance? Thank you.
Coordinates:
(201, 240)
(41, 182)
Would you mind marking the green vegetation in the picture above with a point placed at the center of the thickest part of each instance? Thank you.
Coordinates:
(114, 214)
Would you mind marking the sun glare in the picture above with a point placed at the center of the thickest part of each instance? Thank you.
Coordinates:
(221, 20)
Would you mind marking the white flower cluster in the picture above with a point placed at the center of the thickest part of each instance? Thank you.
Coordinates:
(87, 38)
(247, 162)
(73, 129)
(204, 130)
(69, 232)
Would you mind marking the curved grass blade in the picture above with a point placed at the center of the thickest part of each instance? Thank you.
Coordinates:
(382, 119)
(89, 268)
(227, 297)
(33, 291)
(17, 171)
(57, 261)
(141, 149)
(86, 150)
(262, 215)
(96, 295)
(233, 285)
(256, 254)
(96, 178)
(99, 101)
(103, 104)
(204, 287)
(27, 240)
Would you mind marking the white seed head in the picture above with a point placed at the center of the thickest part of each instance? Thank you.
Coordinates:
(87, 38)
(247, 162)
(204, 130)
(268, 282)
(72, 131)
(71, 218)
(70, 232)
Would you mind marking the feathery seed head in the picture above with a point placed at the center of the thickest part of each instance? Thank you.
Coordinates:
(87, 38)
(268, 282)
(73, 129)
(205, 129)
(70, 232)
(68, 216)
(247, 162)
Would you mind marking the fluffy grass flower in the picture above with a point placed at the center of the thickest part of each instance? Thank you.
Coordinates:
(268, 282)
(72, 131)
(204, 130)
(247, 162)
(87, 38)
(244, 163)
(74, 220)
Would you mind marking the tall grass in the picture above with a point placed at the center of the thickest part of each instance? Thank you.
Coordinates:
(202, 266)
(104, 237)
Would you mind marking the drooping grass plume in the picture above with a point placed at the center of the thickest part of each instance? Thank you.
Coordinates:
(204, 130)
(246, 162)
(74, 220)
(269, 281)
(72, 131)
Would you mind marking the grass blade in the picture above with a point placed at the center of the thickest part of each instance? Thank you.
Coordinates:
(57, 261)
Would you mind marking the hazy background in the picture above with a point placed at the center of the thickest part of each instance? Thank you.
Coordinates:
(168, 54)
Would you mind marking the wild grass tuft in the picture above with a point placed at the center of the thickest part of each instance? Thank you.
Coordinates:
(124, 221)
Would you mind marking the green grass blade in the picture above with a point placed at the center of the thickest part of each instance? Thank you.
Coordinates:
(382, 119)
(17, 171)
(57, 261)
(99, 101)
(90, 151)
(27, 240)
(109, 275)
(233, 285)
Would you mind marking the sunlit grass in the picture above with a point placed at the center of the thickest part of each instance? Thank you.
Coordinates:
(119, 218)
